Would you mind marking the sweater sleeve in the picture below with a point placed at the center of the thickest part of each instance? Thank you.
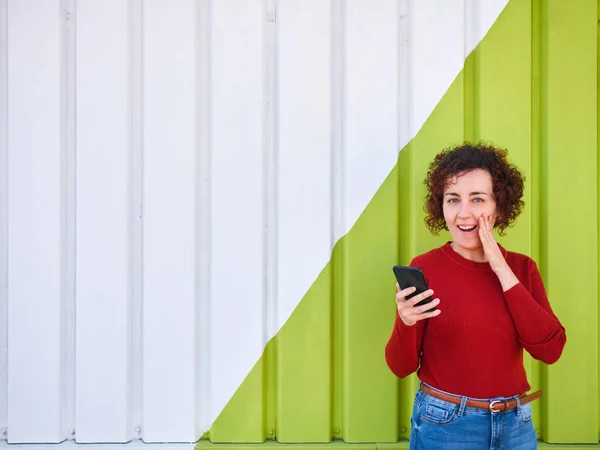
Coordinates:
(403, 350)
(540, 331)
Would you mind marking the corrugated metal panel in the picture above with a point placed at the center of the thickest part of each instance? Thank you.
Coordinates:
(102, 234)
(36, 262)
(3, 221)
(203, 202)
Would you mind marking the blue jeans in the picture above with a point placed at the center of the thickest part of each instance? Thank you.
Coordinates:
(437, 424)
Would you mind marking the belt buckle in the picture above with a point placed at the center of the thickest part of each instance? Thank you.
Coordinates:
(492, 406)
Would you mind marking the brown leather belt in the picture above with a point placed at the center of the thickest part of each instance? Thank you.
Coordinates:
(495, 406)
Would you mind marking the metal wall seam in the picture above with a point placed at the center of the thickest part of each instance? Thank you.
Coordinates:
(135, 225)
(338, 201)
(471, 84)
(68, 180)
(405, 132)
(598, 186)
(270, 190)
(539, 157)
(406, 105)
(404, 74)
(3, 218)
(203, 252)
(338, 181)
(539, 49)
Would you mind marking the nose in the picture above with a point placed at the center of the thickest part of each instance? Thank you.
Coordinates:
(465, 210)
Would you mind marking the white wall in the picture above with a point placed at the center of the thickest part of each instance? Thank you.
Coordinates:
(173, 177)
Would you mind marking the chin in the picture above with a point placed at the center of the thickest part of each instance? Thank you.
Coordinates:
(469, 245)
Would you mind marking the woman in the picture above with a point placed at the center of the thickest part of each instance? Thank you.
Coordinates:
(490, 305)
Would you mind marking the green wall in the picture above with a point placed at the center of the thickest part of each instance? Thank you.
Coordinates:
(530, 86)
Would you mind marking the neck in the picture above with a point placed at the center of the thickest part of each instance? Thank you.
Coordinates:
(475, 255)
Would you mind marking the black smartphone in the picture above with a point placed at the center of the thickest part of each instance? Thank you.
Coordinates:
(412, 277)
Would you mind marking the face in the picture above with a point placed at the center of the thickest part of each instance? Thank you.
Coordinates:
(467, 198)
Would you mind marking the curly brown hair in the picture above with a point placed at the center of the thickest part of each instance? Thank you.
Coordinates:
(507, 182)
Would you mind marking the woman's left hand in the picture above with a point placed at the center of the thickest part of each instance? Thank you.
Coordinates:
(490, 246)
(493, 254)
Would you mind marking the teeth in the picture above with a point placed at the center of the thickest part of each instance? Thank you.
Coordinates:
(467, 228)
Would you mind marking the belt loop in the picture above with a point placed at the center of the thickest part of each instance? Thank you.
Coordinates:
(461, 408)
(518, 405)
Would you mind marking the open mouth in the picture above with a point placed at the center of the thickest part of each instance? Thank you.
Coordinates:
(467, 228)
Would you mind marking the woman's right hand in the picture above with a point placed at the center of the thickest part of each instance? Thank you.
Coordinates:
(408, 312)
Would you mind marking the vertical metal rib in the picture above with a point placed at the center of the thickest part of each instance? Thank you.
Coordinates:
(135, 264)
(68, 177)
(203, 200)
(404, 93)
(337, 119)
(270, 189)
(337, 202)
(3, 218)
(471, 83)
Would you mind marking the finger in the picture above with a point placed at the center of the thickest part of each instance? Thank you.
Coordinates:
(411, 319)
(397, 287)
(481, 224)
(406, 304)
(490, 220)
(427, 315)
(482, 230)
(487, 242)
(417, 298)
(401, 295)
(406, 292)
(431, 314)
(426, 307)
(485, 220)
(485, 228)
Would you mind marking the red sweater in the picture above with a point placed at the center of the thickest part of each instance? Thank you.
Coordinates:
(475, 346)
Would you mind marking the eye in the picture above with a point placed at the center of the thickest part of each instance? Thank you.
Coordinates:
(478, 200)
(452, 200)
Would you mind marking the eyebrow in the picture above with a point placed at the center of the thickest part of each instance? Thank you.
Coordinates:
(454, 194)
